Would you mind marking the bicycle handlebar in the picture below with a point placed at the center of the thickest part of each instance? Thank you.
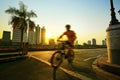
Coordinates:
(61, 41)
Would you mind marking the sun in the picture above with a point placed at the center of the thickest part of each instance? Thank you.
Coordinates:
(48, 35)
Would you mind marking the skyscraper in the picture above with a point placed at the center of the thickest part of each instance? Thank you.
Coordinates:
(104, 42)
(16, 37)
(51, 42)
(31, 35)
(6, 36)
(43, 35)
(94, 41)
(37, 34)
(89, 42)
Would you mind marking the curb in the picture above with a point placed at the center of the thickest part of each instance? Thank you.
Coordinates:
(101, 67)
(8, 59)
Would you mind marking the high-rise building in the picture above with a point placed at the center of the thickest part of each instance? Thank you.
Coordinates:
(25, 36)
(6, 36)
(43, 35)
(94, 41)
(89, 42)
(16, 37)
(31, 36)
(104, 42)
(51, 42)
(37, 34)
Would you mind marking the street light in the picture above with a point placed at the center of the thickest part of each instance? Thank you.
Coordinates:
(113, 17)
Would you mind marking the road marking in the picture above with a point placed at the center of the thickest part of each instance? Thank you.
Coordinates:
(74, 74)
(42, 60)
(91, 58)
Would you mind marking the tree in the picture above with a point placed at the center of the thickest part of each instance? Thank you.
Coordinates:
(119, 11)
(20, 17)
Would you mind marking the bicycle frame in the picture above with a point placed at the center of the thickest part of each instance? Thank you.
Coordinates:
(59, 55)
(64, 47)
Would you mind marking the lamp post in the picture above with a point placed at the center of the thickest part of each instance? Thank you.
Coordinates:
(113, 38)
(113, 17)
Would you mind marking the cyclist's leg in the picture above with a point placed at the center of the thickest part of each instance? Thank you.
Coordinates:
(70, 56)
(69, 47)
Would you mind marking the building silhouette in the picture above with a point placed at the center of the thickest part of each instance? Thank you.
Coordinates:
(104, 42)
(94, 42)
(31, 36)
(51, 42)
(37, 35)
(43, 35)
(6, 36)
(89, 42)
(16, 37)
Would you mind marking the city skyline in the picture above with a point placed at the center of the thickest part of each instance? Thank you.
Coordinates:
(38, 37)
(89, 18)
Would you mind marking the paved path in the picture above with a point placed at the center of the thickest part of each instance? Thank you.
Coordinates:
(30, 69)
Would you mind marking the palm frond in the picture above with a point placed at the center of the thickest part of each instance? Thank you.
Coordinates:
(31, 25)
(12, 11)
(22, 6)
(23, 24)
(31, 14)
(15, 21)
(23, 9)
(21, 16)
(119, 11)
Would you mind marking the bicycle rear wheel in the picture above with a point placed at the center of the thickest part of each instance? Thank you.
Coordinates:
(56, 59)
(71, 56)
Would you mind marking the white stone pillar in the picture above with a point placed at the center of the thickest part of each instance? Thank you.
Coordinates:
(113, 43)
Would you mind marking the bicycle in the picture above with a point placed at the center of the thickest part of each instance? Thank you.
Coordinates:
(65, 52)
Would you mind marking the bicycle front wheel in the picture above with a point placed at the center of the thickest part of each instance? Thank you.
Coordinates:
(56, 59)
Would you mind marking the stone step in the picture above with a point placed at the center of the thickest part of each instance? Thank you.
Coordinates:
(5, 57)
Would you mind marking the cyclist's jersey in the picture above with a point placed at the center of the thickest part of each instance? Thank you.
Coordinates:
(71, 35)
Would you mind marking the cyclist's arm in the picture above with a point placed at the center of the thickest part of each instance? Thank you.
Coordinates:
(61, 36)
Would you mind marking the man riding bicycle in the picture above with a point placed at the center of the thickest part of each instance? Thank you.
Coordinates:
(58, 55)
(71, 36)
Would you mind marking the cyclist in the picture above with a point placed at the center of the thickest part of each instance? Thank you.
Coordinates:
(71, 35)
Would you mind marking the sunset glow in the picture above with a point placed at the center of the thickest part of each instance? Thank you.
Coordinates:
(88, 18)
(48, 35)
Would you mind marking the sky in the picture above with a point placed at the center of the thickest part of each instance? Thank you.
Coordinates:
(88, 18)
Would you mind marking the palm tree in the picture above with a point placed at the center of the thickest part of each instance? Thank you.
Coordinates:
(119, 11)
(20, 17)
